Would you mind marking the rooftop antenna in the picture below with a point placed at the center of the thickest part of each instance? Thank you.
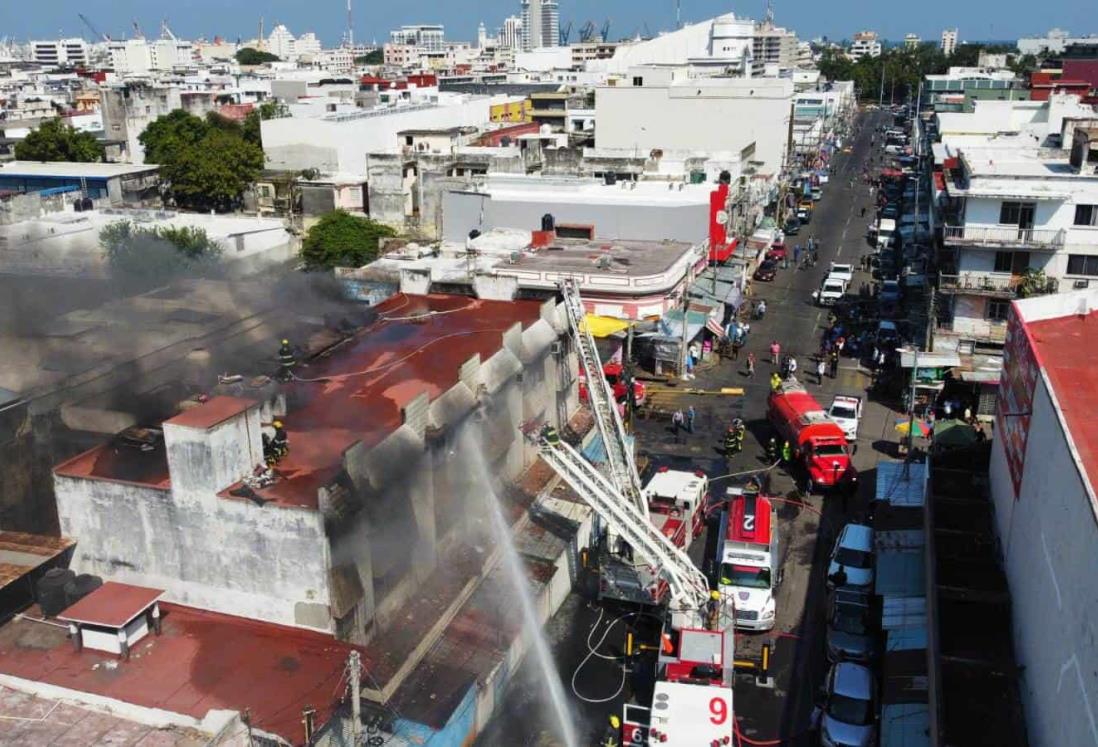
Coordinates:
(678, 14)
(769, 13)
(261, 43)
(350, 27)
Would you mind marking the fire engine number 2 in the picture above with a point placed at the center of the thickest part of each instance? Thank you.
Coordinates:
(718, 708)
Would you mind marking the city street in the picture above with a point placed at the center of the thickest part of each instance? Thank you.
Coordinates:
(798, 665)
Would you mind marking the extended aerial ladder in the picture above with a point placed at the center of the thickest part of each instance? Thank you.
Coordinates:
(622, 467)
(687, 585)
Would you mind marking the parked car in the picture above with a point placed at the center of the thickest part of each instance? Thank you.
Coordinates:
(767, 270)
(849, 707)
(842, 271)
(889, 292)
(853, 553)
(804, 215)
(777, 252)
(851, 635)
(792, 227)
(817, 194)
(846, 410)
(831, 290)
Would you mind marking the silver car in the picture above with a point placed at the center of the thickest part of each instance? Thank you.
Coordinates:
(850, 632)
(849, 710)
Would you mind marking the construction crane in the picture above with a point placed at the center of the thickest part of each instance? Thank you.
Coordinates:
(587, 32)
(565, 33)
(606, 31)
(165, 31)
(99, 35)
(138, 33)
(622, 467)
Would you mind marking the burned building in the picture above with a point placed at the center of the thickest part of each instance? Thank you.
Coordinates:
(361, 513)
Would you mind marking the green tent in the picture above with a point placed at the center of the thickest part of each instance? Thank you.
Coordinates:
(953, 434)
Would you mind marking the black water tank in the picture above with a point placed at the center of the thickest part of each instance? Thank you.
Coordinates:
(474, 233)
(80, 587)
(87, 204)
(611, 178)
(725, 177)
(78, 205)
(50, 590)
(548, 222)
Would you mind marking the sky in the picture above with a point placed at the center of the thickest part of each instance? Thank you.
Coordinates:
(836, 19)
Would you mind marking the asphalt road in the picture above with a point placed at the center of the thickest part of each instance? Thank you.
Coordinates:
(782, 711)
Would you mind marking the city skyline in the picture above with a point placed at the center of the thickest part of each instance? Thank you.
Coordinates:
(199, 18)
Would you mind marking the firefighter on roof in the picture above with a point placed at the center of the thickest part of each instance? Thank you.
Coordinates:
(286, 361)
(550, 435)
(276, 446)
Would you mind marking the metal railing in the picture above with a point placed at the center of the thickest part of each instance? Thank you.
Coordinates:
(1005, 236)
(987, 282)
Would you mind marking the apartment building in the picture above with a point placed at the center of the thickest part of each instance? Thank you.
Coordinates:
(949, 42)
(1018, 221)
(66, 52)
(774, 45)
(864, 44)
(540, 24)
(429, 37)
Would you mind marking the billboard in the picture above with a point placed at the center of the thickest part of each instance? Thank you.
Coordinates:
(1014, 407)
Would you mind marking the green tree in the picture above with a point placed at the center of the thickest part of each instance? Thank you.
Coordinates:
(54, 140)
(204, 164)
(340, 239)
(373, 57)
(250, 56)
(151, 254)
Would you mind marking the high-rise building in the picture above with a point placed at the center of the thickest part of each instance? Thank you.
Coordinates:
(865, 44)
(774, 45)
(540, 24)
(482, 36)
(912, 41)
(510, 34)
(307, 45)
(281, 42)
(429, 37)
(60, 52)
(949, 41)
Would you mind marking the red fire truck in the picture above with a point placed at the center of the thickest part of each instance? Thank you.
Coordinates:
(614, 374)
(818, 442)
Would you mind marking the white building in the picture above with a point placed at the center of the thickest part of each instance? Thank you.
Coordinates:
(1054, 42)
(723, 45)
(130, 56)
(307, 45)
(281, 43)
(1018, 219)
(662, 108)
(540, 24)
(340, 60)
(774, 45)
(429, 37)
(864, 44)
(510, 34)
(69, 52)
(949, 41)
(1044, 477)
(912, 41)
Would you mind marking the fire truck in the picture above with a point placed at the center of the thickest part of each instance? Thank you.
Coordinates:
(818, 442)
(748, 558)
(615, 377)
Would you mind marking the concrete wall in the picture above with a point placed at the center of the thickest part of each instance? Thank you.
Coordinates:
(701, 116)
(464, 211)
(1048, 538)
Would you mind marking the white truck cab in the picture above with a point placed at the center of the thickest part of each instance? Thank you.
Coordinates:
(747, 557)
(846, 410)
(831, 290)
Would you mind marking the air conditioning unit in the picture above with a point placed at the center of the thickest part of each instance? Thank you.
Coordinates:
(1080, 284)
(556, 348)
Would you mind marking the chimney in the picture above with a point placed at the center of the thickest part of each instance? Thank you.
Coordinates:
(214, 445)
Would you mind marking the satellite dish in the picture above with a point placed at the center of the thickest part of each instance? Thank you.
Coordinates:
(722, 217)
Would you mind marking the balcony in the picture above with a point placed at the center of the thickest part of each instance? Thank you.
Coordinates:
(997, 284)
(1005, 237)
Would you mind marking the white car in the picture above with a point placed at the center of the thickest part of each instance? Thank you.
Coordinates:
(843, 272)
(830, 291)
(853, 555)
(847, 412)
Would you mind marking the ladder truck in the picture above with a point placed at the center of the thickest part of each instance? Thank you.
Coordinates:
(672, 503)
(692, 698)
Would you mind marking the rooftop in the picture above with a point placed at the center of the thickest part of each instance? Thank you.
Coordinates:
(201, 661)
(21, 553)
(66, 169)
(112, 605)
(210, 413)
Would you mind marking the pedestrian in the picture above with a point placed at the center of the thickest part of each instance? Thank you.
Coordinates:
(863, 211)
(787, 453)
(796, 254)
(834, 361)
(947, 408)
(820, 367)
(736, 345)
(690, 415)
(881, 359)
(676, 423)
(791, 366)
(775, 351)
(750, 365)
(840, 344)
(968, 415)
(980, 435)
(772, 451)
(775, 382)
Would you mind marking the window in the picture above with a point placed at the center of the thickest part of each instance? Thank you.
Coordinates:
(638, 80)
(1002, 261)
(997, 311)
(1086, 215)
(1017, 214)
(409, 140)
(1082, 264)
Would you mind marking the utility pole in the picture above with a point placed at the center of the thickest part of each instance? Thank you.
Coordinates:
(881, 98)
(354, 674)
(911, 415)
(685, 324)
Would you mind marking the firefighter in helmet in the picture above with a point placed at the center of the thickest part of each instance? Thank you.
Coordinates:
(286, 361)
(772, 450)
(713, 610)
(610, 737)
(775, 382)
(549, 435)
(277, 446)
(730, 443)
(741, 433)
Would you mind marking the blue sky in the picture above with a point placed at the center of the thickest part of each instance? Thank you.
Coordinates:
(977, 19)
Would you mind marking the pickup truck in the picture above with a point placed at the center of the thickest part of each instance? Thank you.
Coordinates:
(830, 291)
(842, 272)
(847, 412)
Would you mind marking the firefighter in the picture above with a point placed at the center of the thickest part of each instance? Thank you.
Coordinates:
(277, 446)
(741, 433)
(550, 436)
(611, 737)
(713, 610)
(775, 382)
(286, 361)
(730, 444)
(787, 453)
(772, 450)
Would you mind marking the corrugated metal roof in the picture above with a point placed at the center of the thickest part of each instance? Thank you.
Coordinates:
(903, 612)
(907, 638)
(905, 725)
(901, 574)
(899, 540)
(900, 489)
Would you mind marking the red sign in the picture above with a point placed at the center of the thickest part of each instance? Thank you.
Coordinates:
(1014, 406)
